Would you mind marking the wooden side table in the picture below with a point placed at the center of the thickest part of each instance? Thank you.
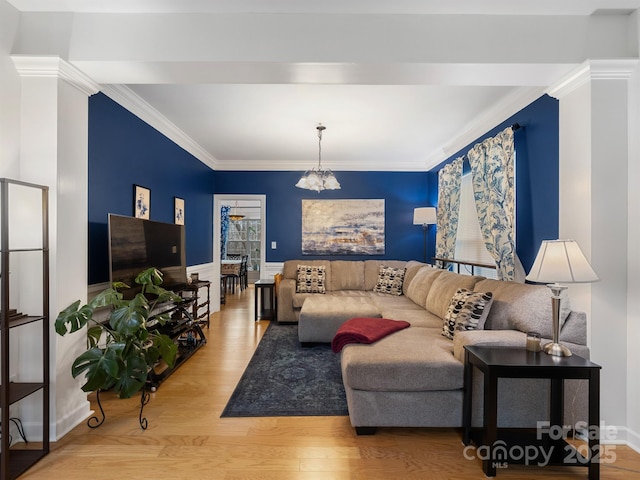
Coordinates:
(195, 287)
(265, 289)
(516, 362)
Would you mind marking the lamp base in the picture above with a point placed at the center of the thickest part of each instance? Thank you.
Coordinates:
(557, 349)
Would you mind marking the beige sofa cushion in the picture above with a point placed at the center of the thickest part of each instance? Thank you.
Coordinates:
(411, 268)
(518, 306)
(411, 360)
(422, 281)
(443, 289)
(346, 275)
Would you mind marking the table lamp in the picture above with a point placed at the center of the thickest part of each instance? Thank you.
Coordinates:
(560, 261)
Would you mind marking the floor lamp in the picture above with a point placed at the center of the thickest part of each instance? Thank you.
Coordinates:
(424, 216)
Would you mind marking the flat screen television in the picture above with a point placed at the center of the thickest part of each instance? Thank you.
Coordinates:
(136, 244)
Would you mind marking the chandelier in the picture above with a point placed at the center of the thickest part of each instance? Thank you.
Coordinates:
(235, 216)
(317, 178)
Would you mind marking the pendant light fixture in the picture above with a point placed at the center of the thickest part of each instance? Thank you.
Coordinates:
(317, 178)
(235, 216)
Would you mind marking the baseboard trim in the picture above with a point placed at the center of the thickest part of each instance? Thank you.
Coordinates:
(620, 436)
(71, 420)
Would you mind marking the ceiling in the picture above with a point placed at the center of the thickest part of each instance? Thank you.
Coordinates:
(256, 103)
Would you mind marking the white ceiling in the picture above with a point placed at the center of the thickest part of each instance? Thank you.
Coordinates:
(255, 104)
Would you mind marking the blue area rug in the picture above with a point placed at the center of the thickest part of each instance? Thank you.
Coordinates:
(284, 379)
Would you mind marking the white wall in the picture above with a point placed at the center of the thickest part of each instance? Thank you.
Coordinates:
(43, 139)
(9, 95)
(596, 164)
(633, 261)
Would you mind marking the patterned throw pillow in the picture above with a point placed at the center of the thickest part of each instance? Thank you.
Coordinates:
(467, 311)
(390, 280)
(311, 279)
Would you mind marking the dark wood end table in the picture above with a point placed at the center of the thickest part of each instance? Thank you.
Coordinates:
(265, 288)
(516, 362)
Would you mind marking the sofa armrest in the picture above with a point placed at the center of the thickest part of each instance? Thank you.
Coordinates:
(504, 338)
(286, 290)
(574, 328)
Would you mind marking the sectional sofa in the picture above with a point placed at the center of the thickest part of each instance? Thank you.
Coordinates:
(414, 377)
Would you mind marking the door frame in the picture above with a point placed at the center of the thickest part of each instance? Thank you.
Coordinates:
(218, 201)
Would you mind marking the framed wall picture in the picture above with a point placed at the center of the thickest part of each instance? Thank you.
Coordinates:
(141, 202)
(178, 209)
(343, 227)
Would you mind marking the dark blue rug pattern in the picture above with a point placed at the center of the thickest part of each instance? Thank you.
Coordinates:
(284, 379)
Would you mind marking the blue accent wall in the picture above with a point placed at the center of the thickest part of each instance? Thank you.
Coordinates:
(537, 174)
(123, 151)
(402, 192)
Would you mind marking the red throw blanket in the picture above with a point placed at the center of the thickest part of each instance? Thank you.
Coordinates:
(365, 330)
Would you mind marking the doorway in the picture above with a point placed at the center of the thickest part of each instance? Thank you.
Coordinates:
(245, 236)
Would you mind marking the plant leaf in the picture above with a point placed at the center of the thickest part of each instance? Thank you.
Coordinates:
(167, 347)
(150, 276)
(128, 319)
(107, 297)
(101, 367)
(94, 334)
(73, 318)
(133, 377)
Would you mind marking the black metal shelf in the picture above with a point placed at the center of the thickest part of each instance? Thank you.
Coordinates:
(181, 324)
(20, 390)
(16, 460)
(24, 320)
(21, 460)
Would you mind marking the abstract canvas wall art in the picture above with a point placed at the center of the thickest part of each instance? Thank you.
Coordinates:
(343, 227)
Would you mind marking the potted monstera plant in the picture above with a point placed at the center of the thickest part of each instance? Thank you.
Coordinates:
(121, 349)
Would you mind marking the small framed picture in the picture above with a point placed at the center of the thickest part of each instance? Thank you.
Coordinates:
(178, 216)
(141, 202)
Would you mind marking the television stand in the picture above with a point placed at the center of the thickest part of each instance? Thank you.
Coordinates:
(185, 332)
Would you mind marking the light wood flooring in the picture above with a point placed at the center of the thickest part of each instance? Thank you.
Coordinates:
(187, 439)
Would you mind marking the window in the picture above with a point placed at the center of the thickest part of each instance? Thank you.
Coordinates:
(469, 242)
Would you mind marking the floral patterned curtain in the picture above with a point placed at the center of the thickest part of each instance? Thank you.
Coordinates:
(224, 227)
(449, 180)
(492, 168)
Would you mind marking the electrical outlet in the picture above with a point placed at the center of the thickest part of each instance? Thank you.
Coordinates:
(274, 245)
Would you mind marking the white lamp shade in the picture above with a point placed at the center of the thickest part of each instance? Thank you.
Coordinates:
(561, 261)
(331, 183)
(424, 216)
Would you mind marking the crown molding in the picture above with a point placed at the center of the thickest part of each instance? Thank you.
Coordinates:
(615, 69)
(54, 67)
(336, 166)
(480, 125)
(128, 99)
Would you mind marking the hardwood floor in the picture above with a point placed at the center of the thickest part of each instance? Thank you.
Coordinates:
(187, 439)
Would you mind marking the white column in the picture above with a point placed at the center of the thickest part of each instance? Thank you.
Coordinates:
(594, 162)
(53, 152)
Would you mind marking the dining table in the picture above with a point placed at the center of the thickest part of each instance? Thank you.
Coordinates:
(230, 267)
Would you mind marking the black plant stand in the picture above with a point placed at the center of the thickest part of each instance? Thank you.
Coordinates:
(95, 422)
